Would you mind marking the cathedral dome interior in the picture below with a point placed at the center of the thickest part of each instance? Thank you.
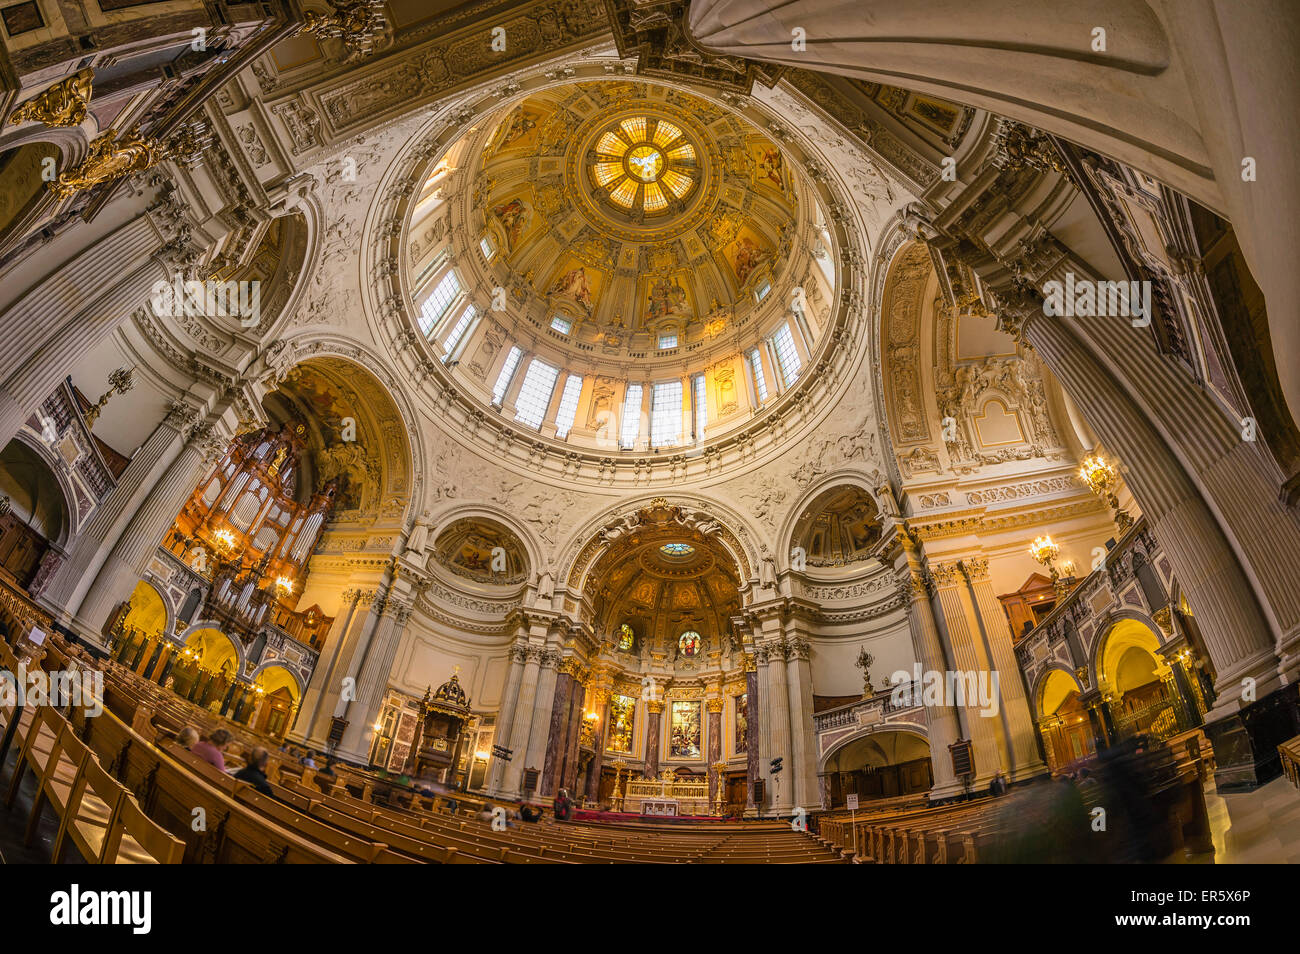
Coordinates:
(640, 245)
(592, 431)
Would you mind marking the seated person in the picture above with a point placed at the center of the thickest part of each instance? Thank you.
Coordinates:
(530, 813)
(326, 777)
(187, 737)
(308, 760)
(209, 749)
(254, 773)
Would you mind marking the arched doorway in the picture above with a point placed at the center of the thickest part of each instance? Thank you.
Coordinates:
(885, 764)
(141, 630)
(34, 514)
(206, 668)
(1135, 681)
(1063, 721)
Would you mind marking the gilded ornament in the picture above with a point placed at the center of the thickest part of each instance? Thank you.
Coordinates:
(63, 104)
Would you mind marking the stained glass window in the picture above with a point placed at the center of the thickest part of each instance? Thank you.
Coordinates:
(677, 549)
(689, 643)
(622, 720)
(626, 637)
(640, 168)
(742, 723)
(684, 731)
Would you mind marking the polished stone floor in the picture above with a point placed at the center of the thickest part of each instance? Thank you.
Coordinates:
(1259, 827)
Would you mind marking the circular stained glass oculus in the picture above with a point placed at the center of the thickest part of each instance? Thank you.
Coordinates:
(688, 644)
(677, 549)
(645, 164)
(626, 637)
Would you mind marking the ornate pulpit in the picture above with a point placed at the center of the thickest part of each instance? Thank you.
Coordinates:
(443, 716)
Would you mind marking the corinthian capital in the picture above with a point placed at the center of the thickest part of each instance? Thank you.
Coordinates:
(910, 585)
(180, 415)
(977, 569)
(943, 575)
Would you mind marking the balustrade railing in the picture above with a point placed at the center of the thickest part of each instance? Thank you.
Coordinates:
(854, 713)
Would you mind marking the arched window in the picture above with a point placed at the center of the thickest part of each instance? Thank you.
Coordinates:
(688, 644)
(626, 637)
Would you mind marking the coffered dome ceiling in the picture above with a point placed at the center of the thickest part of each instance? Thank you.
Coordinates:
(636, 210)
(662, 582)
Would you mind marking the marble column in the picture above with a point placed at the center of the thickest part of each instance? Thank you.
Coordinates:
(941, 718)
(542, 710)
(1175, 104)
(954, 614)
(714, 733)
(569, 766)
(802, 764)
(600, 700)
(374, 670)
(751, 731)
(332, 703)
(654, 717)
(139, 542)
(1236, 632)
(558, 734)
(323, 674)
(1016, 719)
(522, 722)
(505, 716)
(780, 796)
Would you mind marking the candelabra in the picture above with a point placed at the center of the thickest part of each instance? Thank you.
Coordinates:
(719, 796)
(120, 381)
(864, 662)
(1045, 550)
(1102, 478)
(616, 799)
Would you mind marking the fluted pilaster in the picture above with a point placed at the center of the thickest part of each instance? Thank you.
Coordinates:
(1017, 719)
(955, 615)
(944, 725)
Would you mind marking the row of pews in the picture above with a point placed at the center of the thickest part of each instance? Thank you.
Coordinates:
(913, 833)
(171, 806)
(1151, 796)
